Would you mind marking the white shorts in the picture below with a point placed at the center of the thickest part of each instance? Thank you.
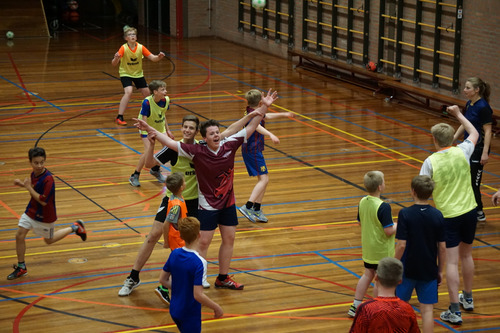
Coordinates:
(42, 229)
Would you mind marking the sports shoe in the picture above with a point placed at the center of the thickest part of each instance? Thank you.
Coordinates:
(352, 311)
(467, 303)
(228, 283)
(452, 317)
(161, 178)
(17, 273)
(163, 295)
(134, 180)
(259, 216)
(248, 213)
(80, 231)
(205, 283)
(120, 122)
(481, 217)
(128, 286)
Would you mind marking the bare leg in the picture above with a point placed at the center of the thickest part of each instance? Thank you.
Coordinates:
(427, 318)
(21, 243)
(228, 234)
(260, 189)
(142, 159)
(148, 245)
(58, 235)
(205, 240)
(452, 276)
(467, 265)
(145, 92)
(125, 99)
(364, 283)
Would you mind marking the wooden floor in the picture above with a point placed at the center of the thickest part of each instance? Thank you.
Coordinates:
(300, 270)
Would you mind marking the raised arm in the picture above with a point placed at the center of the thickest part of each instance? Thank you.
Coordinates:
(473, 133)
(262, 130)
(266, 102)
(237, 125)
(459, 133)
(160, 137)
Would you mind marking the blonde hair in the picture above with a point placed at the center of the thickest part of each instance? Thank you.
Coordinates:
(189, 228)
(253, 98)
(389, 272)
(128, 30)
(443, 134)
(372, 180)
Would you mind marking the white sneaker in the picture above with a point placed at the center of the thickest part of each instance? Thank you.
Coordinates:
(206, 284)
(452, 317)
(467, 303)
(128, 286)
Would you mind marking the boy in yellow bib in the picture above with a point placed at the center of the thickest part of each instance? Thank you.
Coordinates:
(153, 112)
(129, 56)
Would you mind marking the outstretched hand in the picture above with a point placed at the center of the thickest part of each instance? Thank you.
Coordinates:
(270, 98)
(142, 125)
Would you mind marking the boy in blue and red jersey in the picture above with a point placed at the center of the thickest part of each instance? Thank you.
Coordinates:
(40, 214)
(254, 159)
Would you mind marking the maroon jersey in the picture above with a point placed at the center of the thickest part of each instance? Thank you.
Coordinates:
(214, 170)
(44, 185)
(385, 315)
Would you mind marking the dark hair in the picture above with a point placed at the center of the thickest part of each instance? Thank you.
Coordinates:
(423, 186)
(484, 88)
(155, 85)
(174, 182)
(193, 118)
(36, 152)
(207, 123)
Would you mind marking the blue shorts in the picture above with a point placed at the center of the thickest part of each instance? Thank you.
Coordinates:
(210, 219)
(255, 163)
(139, 82)
(427, 291)
(460, 229)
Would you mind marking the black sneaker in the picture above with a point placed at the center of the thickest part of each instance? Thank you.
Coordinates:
(481, 217)
(163, 295)
(17, 273)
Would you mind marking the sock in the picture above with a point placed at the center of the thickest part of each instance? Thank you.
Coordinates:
(136, 173)
(134, 275)
(21, 265)
(162, 288)
(454, 307)
(222, 277)
(256, 206)
(155, 168)
(74, 227)
(120, 116)
(356, 303)
(466, 294)
(249, 204)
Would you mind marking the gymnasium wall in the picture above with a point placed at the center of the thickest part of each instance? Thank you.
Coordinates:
(480, 48)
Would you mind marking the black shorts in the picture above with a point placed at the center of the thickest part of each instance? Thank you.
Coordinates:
(460, 229)
(210, 219)
(139, 82)
(370, 266)
(161, 214)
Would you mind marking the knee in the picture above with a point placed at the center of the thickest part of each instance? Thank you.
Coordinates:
(48, 241)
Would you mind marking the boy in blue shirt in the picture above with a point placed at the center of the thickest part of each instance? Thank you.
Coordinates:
(421, 247)
(186, 267)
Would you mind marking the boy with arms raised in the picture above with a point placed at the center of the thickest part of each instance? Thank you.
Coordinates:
(454, 197)
(214, 165)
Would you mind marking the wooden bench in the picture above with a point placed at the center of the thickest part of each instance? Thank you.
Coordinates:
(338, 69)
(429, 99)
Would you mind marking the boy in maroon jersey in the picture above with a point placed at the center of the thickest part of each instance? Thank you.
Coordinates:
(214, 165)
(40, 214)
